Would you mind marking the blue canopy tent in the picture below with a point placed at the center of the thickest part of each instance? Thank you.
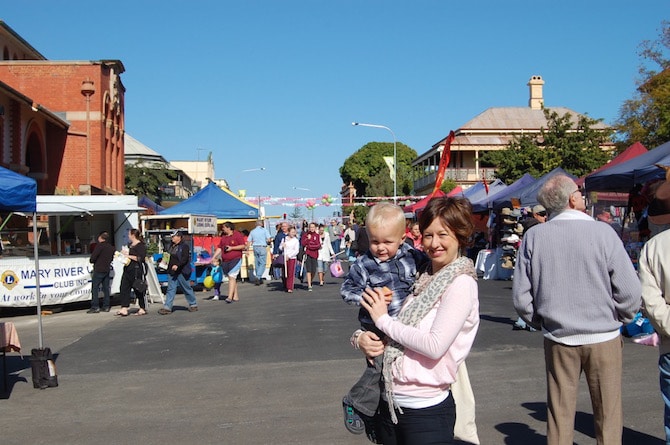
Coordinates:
(213, 200)
(623, 177)
(503, 195)
(478, 191)
(528, 195)
(147, 203)
(18, 193)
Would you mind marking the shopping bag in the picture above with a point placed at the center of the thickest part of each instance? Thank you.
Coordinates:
(336, 269)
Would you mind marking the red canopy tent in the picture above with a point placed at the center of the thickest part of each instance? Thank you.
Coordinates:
(456, 191)
(631, 152)
(420, 205)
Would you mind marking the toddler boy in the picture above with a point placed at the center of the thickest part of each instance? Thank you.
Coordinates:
(391, 263)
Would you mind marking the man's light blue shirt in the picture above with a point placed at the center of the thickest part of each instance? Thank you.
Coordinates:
(259, 237)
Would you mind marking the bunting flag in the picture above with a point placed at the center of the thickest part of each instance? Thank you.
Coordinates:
(444, 161)
(486, 184)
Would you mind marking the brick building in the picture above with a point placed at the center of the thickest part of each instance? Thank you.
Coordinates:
(87, 95)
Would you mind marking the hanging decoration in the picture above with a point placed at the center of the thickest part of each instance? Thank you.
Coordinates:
(327, 200)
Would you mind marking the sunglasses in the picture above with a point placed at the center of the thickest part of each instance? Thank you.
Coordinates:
(541, 213)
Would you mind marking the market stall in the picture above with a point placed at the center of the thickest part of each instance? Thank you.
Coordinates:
(62, 241)
(157, 229)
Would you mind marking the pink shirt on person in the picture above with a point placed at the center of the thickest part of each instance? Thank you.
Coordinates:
(441, 342)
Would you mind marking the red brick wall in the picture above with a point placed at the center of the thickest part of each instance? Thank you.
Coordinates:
(57, 86)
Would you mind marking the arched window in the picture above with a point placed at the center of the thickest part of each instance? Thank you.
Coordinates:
(35, 160)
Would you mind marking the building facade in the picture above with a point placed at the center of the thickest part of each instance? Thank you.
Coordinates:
(491, 130)
(89, 97)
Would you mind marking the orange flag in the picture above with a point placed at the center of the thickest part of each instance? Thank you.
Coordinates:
(444, 161)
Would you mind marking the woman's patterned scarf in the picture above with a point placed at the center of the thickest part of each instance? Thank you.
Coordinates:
(428, 289)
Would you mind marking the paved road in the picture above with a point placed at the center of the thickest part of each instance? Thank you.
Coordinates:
(271, 369)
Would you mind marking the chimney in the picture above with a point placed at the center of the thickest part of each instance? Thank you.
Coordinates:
(536, 101)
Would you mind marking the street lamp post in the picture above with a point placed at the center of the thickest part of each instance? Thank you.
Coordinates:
(259, 169)
(395, 156)
(87, 90)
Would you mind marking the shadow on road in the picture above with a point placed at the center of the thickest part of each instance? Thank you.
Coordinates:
(521, 434)
(503, 320)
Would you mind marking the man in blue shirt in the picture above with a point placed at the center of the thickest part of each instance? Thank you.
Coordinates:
(258, 240)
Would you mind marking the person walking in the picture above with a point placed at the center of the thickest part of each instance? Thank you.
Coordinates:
(137, 251)
(326, 254)
(334, 234)
(349, 238)
(574, 279)
(230, 250)
(289, 247)
(654, 269)
(101, 258)
(311, 242)
(258, 240)
(179, 272)
(282, 233)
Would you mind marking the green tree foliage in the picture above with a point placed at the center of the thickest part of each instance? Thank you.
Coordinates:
(296, 214)
(448, 185)
(360, 213)
(369, 173)
(142, 180)
(572, 145)
(646, 117)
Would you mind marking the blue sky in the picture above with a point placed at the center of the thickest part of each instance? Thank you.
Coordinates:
(263, 83)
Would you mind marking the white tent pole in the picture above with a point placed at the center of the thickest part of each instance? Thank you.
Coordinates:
(37, 282)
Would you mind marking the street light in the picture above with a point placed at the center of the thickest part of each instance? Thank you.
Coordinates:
(87, 90)
(259, 169)
(395, 156)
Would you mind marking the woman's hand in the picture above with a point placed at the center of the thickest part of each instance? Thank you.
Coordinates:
(370, 344)
(374, 302)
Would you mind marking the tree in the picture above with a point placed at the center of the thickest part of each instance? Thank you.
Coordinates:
(296, 213)
(142, 180)
(448, 185)
(369, 173)
(646, 117)
(574, 145)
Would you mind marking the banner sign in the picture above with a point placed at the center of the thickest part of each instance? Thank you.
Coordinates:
(62, 280)
(203, 224)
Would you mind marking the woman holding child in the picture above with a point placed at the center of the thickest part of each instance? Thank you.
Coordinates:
(432, 334)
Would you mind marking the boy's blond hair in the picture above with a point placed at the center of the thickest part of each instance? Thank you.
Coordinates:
(386, 214)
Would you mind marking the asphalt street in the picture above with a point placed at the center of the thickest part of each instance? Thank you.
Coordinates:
(271, 369)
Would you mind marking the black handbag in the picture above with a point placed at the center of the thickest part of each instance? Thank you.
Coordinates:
(140, 283)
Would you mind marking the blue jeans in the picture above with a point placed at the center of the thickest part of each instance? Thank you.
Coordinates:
(664, 378)
(180, 280)
(260, 258)
(432, 425)
(100, 278)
